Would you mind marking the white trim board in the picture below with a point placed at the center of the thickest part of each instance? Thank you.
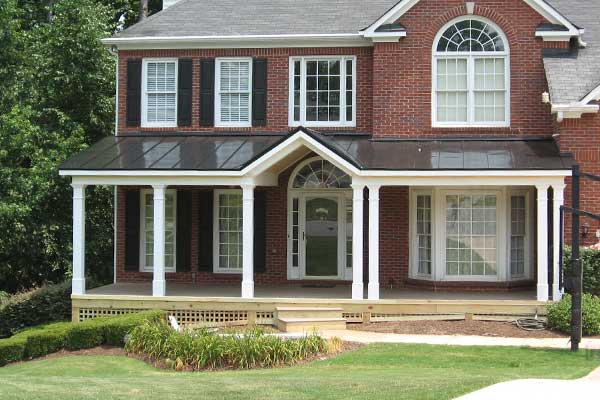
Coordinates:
(540, 6)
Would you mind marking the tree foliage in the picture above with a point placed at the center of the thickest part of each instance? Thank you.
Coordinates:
(57, 84)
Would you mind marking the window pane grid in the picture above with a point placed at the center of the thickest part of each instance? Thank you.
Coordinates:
(517, 235)
(234, 91)
(148, 224)
(424, 234)
(161, 91)
(230, 240)
(323, 91)
(471, 237)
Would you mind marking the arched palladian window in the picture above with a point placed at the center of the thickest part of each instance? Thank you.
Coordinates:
(471, 74)
(321, 174)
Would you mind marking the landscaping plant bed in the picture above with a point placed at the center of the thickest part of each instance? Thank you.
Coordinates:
(460, 327)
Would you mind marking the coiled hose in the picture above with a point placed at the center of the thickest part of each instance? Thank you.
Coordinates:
(530, 324)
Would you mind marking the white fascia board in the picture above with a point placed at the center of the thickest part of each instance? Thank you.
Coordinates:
(476, 179)
(594, 95)
(246, 41)
(574, 110)
(466, 173)
(149, 180)
(294, 142)
(544, 9)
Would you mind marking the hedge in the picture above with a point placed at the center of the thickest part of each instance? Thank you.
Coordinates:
(47, 304)
(43, 340)
(590, 261)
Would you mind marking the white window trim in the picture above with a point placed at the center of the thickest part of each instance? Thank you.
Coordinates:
(412, 231)
(529, 229)
(439, 237)
(218, 122)
(470, 57)
(216, 268)
(319, 124)
(143, 266)
(145, 123)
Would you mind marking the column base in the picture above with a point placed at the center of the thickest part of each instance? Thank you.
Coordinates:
(159, 288)
(358, 291)
(542, 292)
(374, 291)
(78, 286)
(247, 289)
(556, 293)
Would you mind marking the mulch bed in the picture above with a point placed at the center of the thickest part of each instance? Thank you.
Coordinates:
(461, 327)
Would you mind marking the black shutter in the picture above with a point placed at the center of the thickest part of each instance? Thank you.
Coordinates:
(184, 93)
(205, 232)
(134, 93)
(259, 92)
(132, 230)
(260, 231)
(184, 230)
(207, 92)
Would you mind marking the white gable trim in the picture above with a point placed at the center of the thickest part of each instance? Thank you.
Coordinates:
(543, 8)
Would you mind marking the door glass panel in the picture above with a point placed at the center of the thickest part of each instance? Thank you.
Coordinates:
(321, 237)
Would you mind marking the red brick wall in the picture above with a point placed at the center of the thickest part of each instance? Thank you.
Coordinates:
(277, 82)
(581, 137)
(402, 71)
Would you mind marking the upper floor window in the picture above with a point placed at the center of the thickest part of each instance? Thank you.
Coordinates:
(233, 95)
(471, 75)
(322, 91)
(159, 99)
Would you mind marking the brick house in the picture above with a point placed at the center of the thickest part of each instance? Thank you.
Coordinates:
(348, 149)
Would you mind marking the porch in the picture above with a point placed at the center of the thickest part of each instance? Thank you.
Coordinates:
(311, 218)
(215, 304)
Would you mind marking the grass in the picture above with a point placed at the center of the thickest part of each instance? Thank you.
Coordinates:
(381, 371)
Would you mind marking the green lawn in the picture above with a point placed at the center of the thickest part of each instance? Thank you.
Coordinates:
(371, 372)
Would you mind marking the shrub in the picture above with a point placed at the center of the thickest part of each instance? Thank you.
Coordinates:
(11, 350)
(46, 339)
(47, 304)
(202, 349)
(590, 263)
(559, 315)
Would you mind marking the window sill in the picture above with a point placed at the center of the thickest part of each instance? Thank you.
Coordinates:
(147, 125)
(227, 272)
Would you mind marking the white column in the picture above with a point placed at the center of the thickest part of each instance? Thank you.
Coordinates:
(248, 245)
(373, 242)
(78, 283)
(542, 242)
(357, 242)
(158, 282)
(559, 200)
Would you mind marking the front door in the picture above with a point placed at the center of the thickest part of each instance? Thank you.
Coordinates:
(322, 227)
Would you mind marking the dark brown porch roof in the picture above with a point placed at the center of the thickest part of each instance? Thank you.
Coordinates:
(233, 152)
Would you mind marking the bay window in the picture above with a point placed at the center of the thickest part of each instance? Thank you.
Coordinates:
(471, 75)
(159, 86)
(470, 234)
(322, 91)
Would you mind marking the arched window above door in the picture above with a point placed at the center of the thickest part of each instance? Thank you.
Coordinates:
(321, 174)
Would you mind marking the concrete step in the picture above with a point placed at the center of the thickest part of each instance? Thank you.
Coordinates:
(309, 325)
(308, 312)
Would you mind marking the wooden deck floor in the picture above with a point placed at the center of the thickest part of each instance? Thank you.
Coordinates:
(300, 292)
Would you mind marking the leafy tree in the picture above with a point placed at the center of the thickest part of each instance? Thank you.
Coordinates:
(56, 97)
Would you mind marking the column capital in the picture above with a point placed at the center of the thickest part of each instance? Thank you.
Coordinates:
(78, 185)
(247, 186)
(374, 192)
(159, 187)
(542, 192)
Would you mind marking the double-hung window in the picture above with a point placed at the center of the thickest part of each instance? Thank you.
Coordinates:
(322, 91)
(233, 92)
(159, 86)
(147, 230)
(228, 235)
(471, 76)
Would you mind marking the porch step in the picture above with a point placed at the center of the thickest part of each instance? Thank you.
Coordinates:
(308, 319)
(308, 312)
(309, 325)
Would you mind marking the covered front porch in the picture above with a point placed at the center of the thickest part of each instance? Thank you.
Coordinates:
(314, 217)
